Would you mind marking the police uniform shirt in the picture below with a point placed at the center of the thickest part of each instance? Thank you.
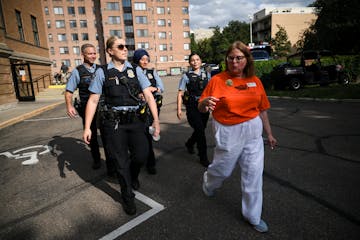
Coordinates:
(74, 79)
(141, 74)
(185, 80)
(97, 84)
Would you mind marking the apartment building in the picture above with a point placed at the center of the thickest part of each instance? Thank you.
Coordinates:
(294, 20)
(24, 55)
(159, 26)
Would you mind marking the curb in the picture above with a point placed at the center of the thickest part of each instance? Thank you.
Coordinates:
(29, 115)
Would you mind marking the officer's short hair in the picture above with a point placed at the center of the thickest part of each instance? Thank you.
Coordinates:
(85, 46)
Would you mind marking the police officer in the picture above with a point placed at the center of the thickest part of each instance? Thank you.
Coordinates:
(121, 116)
(141, 60)
(81, 78)
(191, 86)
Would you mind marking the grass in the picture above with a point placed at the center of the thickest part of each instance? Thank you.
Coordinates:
(333, 91)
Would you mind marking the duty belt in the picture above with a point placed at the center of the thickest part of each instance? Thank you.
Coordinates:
(120, 116)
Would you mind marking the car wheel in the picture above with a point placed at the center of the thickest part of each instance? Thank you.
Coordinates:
(295, 84)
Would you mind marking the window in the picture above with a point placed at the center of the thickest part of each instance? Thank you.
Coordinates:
(76, 50)
(170, 35)
(60, 24)
(112, 6)
(35, 31)
(74, 37)
(170, 47)
(129, 29)
(144, 45)
(161, 22)
(50, 37)
(186, 46)
(71, 10)
(46, 10)
(114, 20)
(54, 63)
(66, 62)
(52, 51)
(81, 10)
(186, 34)
(64, 50)
(115, 33)
(140, 6)
(72, 24)
(83, 23)
(48, 24)
(61, 37)
(19, 25)
(186, 22)
(126, 3)
(168, 10)
(169, 23)
(78, 62)
(58, 11)
(141, 19)
(142, 33)
(130, 41)
(127, 16)
(185, 10)
(162, 47)
(160, 10)
(162, 35)
(163, 58)
(85, 36)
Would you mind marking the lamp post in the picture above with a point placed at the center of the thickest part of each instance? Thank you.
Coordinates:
(250, 18)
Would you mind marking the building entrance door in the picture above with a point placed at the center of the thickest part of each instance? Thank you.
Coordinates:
(23, 83)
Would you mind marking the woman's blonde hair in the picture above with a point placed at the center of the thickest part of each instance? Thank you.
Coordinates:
(249, 69)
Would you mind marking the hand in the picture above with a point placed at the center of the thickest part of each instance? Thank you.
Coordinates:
(209, 103)
(87, 136)
(156, 126)
(272, 142)
(179, 114)
(71, 112)
(154, 89)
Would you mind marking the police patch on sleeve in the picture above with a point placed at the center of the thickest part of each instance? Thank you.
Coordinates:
(130, 73)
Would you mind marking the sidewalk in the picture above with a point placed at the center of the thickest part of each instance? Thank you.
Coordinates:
(15, 112)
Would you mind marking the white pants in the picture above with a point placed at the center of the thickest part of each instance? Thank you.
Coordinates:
(243, 144)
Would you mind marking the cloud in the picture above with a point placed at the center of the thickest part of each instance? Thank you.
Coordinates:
(211, 13)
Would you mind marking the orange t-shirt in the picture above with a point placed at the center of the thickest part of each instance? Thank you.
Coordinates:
(241, 99)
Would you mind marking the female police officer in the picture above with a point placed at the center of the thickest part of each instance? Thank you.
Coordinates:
(124, 129)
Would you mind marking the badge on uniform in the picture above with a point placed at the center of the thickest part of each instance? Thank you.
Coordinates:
(149, 76)
(130, 73)
(251, 84)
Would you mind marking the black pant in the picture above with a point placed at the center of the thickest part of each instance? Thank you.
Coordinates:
(198, 122)
(128, 146)
(94, 144)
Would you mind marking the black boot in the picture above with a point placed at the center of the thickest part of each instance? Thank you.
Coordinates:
(129, 206)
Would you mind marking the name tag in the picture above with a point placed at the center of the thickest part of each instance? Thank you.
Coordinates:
(251, 84)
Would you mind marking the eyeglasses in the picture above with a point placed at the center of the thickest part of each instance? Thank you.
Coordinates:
(237, 58)
(121, 46)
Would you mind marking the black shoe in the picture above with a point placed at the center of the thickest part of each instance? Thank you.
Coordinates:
(190, 148)
(129, 207)
(135, 184)
(205, 162)
(151, 170)
(96, 165)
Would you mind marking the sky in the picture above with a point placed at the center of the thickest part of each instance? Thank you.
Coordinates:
(211, 13)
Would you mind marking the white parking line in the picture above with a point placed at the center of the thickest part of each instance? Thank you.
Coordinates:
(45, 119)
(155, 208)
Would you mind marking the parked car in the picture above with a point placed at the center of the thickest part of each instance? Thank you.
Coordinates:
(260, 55)
(307, 68)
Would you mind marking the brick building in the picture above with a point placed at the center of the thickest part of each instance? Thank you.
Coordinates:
(24, 55)
(162, 27)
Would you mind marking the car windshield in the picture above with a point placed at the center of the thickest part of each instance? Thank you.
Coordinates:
(260, 54)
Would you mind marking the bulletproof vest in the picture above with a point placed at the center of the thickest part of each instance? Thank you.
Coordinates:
(85, 79)
(121, 88)
(196, 83)
(150, 76)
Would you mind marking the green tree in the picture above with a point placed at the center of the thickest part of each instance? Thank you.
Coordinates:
(237, 31)
(281, 43)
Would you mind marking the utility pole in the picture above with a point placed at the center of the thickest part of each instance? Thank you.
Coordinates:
(100, 31)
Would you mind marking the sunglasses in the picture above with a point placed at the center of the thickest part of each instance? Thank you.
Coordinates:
(121, 46)
(237, 58)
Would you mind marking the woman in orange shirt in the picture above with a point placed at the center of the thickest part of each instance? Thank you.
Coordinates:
(238, 103)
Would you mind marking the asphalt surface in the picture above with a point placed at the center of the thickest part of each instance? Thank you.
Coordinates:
(310, 180)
